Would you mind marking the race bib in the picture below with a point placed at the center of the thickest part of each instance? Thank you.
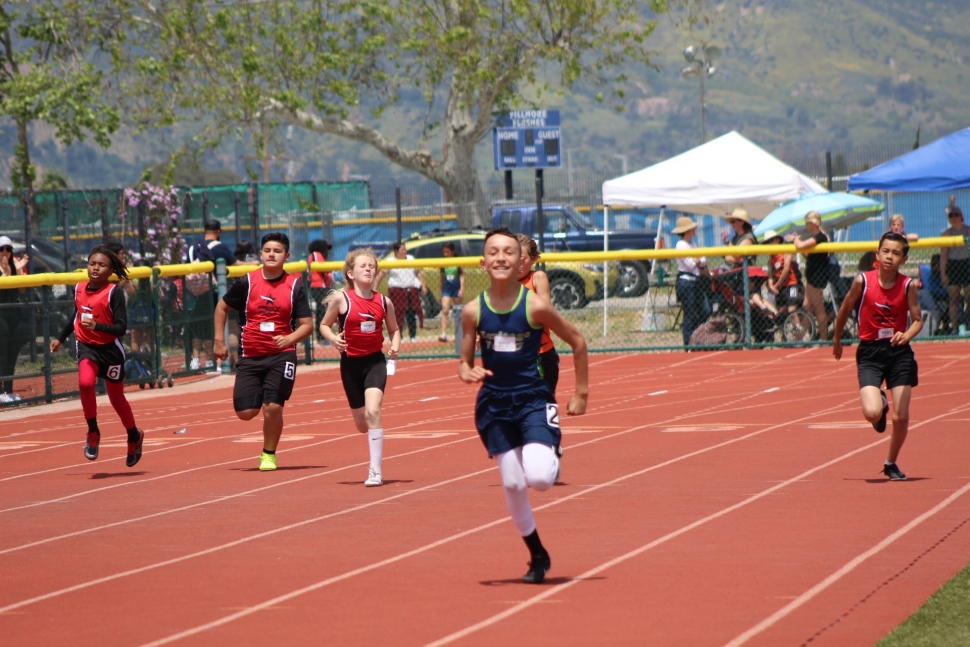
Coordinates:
(86, 316)
(267, 326)
(289, 370)
(368, 326)
(114, 372)
(503, 344)
(886, 333)
(552, 415)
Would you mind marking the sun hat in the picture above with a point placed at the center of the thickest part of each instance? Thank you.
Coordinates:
(5, 241)
(683, 224)
(739, 214)
(771, 233)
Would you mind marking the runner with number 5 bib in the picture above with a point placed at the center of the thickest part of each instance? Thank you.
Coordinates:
(268, 300)
(516, 414)
(100, 318)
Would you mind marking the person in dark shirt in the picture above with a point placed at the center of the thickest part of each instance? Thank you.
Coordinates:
(100, 318)
(818, 271)
(209, 249)
(268, 300)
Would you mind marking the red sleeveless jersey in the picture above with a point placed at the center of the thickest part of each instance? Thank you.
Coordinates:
(95, 304)
(547, 344)
(882, 312)
(363, 325)
(269, 312)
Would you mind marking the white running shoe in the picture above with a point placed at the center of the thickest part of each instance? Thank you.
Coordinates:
(194, 364)
(374, 478)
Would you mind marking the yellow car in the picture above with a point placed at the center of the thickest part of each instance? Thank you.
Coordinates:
(572, 285)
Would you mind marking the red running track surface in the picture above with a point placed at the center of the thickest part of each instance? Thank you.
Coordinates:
(719, 498)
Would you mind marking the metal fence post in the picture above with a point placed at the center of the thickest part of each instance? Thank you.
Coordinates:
(747, 301)
(155, 285)
(397, 207)
(221, 291)
(65, 217)
(48, 378)
(141, 231)
(235, 203)
(308, 342)
(205, 208)
(27, 222)
(540, 223)
(105, 230)
(254, 213)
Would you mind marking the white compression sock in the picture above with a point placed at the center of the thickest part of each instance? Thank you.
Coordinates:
(540, 465)
(375, 440)
(516, 490)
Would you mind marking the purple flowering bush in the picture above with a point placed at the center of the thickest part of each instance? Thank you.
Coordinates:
(162, 243)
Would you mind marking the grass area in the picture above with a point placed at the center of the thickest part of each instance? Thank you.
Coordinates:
(943, 621)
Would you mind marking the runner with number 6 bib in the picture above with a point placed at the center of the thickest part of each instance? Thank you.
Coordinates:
(100, 318)
(268, 300)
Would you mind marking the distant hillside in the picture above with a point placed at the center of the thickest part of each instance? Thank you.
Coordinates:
(795, 77)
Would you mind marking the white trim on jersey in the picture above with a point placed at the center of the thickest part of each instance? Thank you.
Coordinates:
(242, 329)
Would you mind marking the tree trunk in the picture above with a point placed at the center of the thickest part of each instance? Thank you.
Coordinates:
(25, 174)
(460, 181)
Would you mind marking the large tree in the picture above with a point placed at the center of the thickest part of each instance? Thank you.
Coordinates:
(337, 66)
(49, 72)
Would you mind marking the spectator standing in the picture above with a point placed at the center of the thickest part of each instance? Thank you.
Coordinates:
(245, 253)
(202, 333)
(405, 286)
(689, 285)
(898, 225)
(321, 283)
(13, 331)
(955, 267)
(817, 271)
(743, 236)
(452, 288)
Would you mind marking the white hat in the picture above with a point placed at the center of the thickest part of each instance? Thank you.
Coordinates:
(5, 241)
(771, 233)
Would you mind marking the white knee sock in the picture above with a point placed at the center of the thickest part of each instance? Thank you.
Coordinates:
(375, 440)
(516, 490)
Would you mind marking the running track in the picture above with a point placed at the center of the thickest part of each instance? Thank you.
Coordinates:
(707, 499)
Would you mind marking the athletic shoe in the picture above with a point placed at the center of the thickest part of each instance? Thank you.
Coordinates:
(893, 472)
(559, 465)
(267, 462)
(134, 450)
(443, 338)
(91, 447)
(414, 340)
(538, 568)
(880, 425)
(5, 397)
(194, 364)
(374, 478)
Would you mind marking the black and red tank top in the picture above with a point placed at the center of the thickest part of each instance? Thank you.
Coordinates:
(547, 343)
(97, 305)
(363, 325)
(882, 312)
(269, 312)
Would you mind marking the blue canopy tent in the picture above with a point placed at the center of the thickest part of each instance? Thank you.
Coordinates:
(943, 165)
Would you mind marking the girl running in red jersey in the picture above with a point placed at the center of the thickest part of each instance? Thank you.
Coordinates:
(268, 300)
(884, 351)
(100, 319)
(362, 314)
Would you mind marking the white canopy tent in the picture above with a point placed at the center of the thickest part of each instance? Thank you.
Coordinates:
(715, 178)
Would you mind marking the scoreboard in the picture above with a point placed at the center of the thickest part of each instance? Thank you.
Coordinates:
(525, 139)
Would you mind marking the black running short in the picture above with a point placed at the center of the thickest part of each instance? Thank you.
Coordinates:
(264, 379)
(110, 359)
(880, 361)
(361, 373)
(958, 271)
(510, 419)
(790, 295)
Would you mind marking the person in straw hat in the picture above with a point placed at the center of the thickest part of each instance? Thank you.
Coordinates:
(689, 287)
(743, 235)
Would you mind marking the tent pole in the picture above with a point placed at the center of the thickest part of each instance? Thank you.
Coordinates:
(606, 275)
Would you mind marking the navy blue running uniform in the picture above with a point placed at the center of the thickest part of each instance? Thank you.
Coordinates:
(514, 405)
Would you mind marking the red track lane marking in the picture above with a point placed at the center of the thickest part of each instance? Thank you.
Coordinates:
(847, 568)
(700, 522)
(219, 499)
(364, 569)
(163, 476)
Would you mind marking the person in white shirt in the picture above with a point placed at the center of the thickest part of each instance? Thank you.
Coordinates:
(404, 287)
(690, 288)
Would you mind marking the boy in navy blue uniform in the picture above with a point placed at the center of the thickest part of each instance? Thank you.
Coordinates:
(516, 414)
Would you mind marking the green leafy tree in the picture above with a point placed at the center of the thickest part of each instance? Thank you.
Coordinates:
(49, 72)
(336, 66)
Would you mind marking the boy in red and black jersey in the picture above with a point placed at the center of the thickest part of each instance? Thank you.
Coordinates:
(268, 300)
(884, 354)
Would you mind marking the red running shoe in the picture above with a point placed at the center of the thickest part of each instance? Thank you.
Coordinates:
(134, 450)
(91, 448)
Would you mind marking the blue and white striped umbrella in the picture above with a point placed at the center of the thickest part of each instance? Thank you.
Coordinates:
(838, 210)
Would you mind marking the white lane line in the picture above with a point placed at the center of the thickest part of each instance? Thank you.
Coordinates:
(559, 588)
(657, 393)
(846, 568)
(427, 547)
(772, 389)
(219, 499)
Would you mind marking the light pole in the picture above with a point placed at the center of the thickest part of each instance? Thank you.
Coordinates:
(700, 64)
